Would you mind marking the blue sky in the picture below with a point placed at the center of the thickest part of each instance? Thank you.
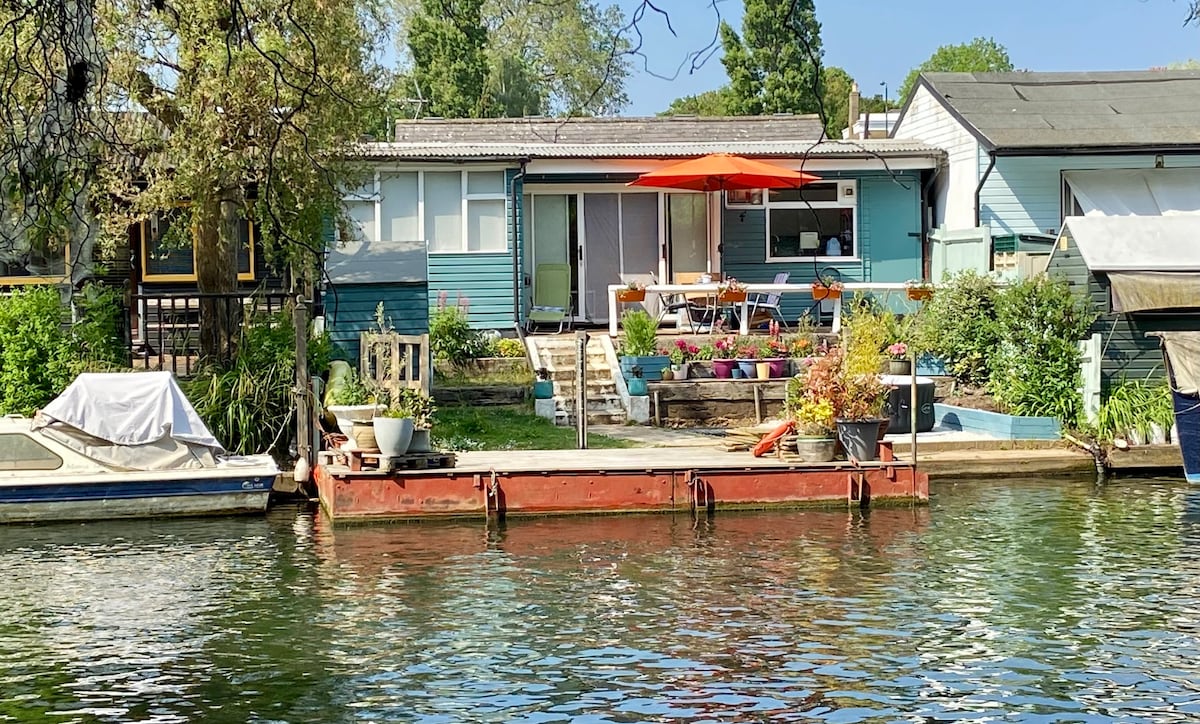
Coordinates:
(881, 40)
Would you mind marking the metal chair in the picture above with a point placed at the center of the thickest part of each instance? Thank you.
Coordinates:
(768, 305)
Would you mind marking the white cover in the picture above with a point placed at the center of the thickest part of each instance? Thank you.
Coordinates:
(1136, 192)
(1137, 243)
(129, 408)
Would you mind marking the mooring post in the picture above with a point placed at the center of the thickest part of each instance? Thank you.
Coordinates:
(304, 410)
(581, 343)
(912, 411)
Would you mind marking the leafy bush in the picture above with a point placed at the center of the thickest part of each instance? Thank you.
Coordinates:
(247, 402)
(959, 325)
(1034, 368)
(507, 347)
(40, 353)
(452, 339)
(1134, 405)
(640, 334)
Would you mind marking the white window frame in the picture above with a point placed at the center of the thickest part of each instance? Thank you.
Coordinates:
(847, 198)
(502, 196)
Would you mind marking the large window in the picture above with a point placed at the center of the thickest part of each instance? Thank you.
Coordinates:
(169, 248)
(816, 221)
(21, 452)
(33, 267)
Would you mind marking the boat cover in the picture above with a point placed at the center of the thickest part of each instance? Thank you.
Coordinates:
(1183, 353)
(130, 420)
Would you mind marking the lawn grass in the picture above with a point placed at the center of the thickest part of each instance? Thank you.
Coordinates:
(507, 428)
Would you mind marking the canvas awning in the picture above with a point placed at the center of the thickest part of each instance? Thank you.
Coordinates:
(1137, 192)
(1183, 354)
(1153, 262)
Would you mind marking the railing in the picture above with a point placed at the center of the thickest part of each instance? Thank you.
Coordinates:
(170, 331)
(743, 307)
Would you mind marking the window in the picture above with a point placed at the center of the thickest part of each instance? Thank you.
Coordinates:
(465, 211)
(744, 197)
(32, 267)
(443, 211)
(21, 452)
(815, 221)
(169, 248)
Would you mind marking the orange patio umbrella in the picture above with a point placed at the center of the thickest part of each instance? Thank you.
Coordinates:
(723, 172)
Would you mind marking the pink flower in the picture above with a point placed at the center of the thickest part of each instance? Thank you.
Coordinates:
(693, 349)
(898, 349)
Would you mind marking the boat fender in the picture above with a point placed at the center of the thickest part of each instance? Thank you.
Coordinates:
(768, 443)
(301, 472)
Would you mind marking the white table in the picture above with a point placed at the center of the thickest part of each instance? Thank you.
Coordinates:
(849, 288)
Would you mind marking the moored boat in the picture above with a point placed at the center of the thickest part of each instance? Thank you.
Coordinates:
(1181, 353)
(123, 445)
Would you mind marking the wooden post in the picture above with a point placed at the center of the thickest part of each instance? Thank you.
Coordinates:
(304, 409)
(581, 343)
(912, 412)
(758, 416)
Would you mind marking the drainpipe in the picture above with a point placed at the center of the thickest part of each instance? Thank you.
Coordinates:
(982, 181)
(518, 281)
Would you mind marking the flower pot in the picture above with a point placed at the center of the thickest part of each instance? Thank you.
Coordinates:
(668, 375)
(393, 434)
(700, 370)
(820, 291)
(919, 295)
(627, 296)
(860, 438)
(900, 367)
(779, 366)
(543, 389)
(731, 296)
(420, 442)
(362, 435)
(652, 366)
(637, 387)
(737, 373)
(723, 368)
(748, 368)
(762, 370)
(347, 415)
(680, 371)
(816, 449)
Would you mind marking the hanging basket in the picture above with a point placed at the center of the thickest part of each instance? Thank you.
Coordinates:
(731, 296)
(821, 292)
(626, 296)
(920, 295)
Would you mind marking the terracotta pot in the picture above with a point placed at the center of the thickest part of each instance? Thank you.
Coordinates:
(731, 296)
(627, 296)
(820, 292)
(919, 295)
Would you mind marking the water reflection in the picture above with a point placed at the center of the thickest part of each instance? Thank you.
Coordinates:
(1068, 602)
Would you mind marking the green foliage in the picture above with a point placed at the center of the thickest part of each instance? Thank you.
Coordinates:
(978, 56)
(415, 404)
(959, 325)
(866, 330)
(1034, 368)
(1134, 405)
(508, 347)
(247, 403)
(353, 391)
(449, 43)
(507, 428)
(772, 67)
(640, 334)
(452, 339)
(708, 103)
(98, 331)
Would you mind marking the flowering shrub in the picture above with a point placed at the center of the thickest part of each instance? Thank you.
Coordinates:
(725, 348)
(777, 348)
(682, 351)
(918, 284)
(898, 350)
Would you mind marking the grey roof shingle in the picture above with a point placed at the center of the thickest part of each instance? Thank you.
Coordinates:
(660, 129)
(1027, 110)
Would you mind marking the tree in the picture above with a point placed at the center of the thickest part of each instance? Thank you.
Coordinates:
(981, 55)
(233, 111)
(708, 103)
(449, 45)
(773, 67)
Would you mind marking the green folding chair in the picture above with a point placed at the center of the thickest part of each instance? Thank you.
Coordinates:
(551, 297)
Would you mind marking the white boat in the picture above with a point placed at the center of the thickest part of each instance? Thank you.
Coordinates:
(123, 445)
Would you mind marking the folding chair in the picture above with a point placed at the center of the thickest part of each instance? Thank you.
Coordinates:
(765, 307)
(551, 297)
(696, 315)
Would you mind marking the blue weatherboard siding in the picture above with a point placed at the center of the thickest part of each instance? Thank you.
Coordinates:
(1024, 194)
(484, 280)
(350, 311)
(889, 227)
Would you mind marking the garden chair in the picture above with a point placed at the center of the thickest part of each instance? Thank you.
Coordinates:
(551, 297)
(696, 310)
(765, 307)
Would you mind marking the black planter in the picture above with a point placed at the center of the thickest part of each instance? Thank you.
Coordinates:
(860, 438)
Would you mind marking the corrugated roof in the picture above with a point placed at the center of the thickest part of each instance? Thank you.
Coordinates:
(887, 147)
(615, 129)
(1026, 110)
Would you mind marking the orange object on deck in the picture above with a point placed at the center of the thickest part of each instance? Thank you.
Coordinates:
(767, 444)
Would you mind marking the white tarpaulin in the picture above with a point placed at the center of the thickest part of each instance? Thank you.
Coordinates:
(135, 420)
(1137, 243)
(1136, 192)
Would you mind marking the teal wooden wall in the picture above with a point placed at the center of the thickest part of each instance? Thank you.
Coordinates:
(484, 280)
(1024, 194)
(1127, 351)
(889, 210)
(350, 311)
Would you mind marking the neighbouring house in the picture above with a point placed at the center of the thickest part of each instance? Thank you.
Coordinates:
(468, 209)
(1142, 276)
(1026, 150)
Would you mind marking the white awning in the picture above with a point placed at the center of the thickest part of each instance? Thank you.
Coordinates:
(1136, 192)
(1136, 243)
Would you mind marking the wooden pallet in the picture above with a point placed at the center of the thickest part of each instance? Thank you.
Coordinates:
(358, 460)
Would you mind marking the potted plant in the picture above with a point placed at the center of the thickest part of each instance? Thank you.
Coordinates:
(393, 431)
(633, 292)
(419, 406)
(918, 291)
(724, 357)
(809, 402)
(731, 290)
(700, 366)
(748, 352)
(827, 287)
(543, 386)
(898, 361)
(639, 346)
(776, 356)
(637, 385)
(860, 414)
(351, 402)
(682, 353)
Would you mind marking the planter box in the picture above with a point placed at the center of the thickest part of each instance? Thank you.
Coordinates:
(652, 366)
(996, 424)
(629, 296)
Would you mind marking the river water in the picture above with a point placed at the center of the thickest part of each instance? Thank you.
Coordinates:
(1023, 601)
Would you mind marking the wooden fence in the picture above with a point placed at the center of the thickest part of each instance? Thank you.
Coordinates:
(396, 361)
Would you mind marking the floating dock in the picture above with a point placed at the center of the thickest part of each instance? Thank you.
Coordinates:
(552, 482)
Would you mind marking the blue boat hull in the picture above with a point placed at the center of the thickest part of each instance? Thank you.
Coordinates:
(1187, 428)
(123, 497)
